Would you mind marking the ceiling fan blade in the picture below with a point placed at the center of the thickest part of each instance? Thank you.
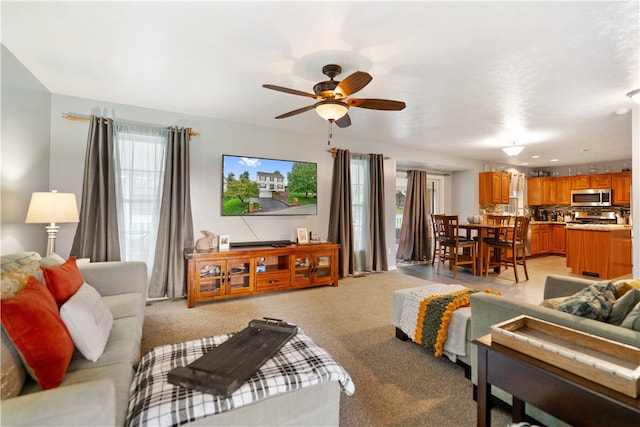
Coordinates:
(353, 83)
(291, 91)
(376, 104)
(344, 121)
(294, 112)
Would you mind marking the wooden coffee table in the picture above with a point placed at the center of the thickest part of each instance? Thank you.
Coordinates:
(566, 396)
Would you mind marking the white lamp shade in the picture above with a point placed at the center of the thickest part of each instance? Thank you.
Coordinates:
(514, 150)
(331, 110)
(52, 207)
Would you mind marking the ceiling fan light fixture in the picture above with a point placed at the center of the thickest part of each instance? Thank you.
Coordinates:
(331, 110)
(635, 96)
(513, 150)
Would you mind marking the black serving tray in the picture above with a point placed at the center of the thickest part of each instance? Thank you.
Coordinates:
(226, 367)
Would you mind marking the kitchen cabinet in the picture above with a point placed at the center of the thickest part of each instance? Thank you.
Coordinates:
(603, 252)
(558, 239)
(563, 190)
(534, 191)
(258, 269)
(581, 182)
(548, 191)
(540, 243)
(494, 188)
(621, 187)
(541, 191)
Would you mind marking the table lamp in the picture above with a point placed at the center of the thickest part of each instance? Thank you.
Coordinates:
(51, 208)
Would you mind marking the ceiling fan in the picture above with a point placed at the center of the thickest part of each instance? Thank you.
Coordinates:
(333, 100)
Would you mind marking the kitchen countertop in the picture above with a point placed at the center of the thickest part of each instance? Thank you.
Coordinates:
(599, 227)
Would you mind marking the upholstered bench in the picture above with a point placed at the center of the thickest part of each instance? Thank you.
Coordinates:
(458, 351)
(299, 385)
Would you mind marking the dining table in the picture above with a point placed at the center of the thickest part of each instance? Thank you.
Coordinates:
(481, 231)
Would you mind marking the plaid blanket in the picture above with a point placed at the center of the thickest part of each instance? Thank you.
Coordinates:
(153, 401)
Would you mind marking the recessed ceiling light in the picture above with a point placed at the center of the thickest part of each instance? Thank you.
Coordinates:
(524, 164)
(554, 160)
(622, 111)
(535, 157)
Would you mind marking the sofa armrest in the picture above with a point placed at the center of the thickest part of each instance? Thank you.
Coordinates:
(116, 277)
(87, 404)
(563, 286)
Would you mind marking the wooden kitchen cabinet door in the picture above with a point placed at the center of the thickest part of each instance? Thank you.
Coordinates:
(563, 190)
(534, 191)
(580, 182)
(548, 191)
(602, 180)
(621, 186)
(494, 188)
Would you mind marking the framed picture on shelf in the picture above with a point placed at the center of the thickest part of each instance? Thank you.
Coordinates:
(223, 242)
(303, 236)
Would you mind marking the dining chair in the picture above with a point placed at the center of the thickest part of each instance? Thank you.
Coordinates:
(438, 234)
(452, 245)
(513, 244)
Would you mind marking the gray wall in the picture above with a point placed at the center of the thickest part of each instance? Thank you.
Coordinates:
(26, 106)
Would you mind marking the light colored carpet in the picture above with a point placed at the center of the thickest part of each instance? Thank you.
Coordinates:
(397, 383)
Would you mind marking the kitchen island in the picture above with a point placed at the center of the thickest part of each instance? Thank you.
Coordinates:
(599, 250)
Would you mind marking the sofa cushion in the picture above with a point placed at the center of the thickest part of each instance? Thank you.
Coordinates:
(623, 306)
(12, 374)
(632, 321)
(120, 374)
(32, 321)
(593, 302)
(63, 280)
(88, 320)
(16, 260)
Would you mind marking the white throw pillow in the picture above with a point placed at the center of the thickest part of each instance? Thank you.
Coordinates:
(88, 320)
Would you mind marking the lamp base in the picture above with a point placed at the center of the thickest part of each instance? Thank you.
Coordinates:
(52, 231)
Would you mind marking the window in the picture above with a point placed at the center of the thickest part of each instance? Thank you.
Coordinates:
(360, 210)
(139, 158)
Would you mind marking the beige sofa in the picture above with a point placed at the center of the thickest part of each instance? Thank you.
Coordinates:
(487, 310)
(91, 393)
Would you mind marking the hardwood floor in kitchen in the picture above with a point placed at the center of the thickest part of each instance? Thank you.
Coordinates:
(531, 290)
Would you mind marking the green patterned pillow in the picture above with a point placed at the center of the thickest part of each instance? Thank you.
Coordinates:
(593, 302)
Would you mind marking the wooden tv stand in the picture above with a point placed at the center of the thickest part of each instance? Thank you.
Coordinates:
(250, 270)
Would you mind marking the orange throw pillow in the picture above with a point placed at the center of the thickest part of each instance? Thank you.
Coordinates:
(32, 321)
(63, 280)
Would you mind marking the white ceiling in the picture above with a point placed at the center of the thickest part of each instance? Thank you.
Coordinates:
(475, 75)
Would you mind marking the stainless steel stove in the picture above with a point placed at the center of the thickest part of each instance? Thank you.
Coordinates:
(594, 217)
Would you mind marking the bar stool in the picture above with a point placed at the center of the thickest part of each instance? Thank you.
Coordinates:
(516, 244)
(451, 243)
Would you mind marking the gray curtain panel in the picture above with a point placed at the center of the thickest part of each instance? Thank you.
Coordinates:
(377, 221)
(340, 219)
(97, 232)
(175, 229)
(414, 235)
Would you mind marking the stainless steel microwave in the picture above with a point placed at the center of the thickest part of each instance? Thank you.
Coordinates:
(591, 197)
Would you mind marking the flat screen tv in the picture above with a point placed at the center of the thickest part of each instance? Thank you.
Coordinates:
(259, 186)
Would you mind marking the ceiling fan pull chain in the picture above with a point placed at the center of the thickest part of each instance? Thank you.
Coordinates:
(330, 132)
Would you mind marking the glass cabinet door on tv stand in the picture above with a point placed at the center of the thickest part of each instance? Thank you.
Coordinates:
(313, 267)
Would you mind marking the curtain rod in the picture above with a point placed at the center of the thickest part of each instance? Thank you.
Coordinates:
(87, 119)
(334, 153)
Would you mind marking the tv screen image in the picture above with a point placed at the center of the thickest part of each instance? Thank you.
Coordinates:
(261, 186)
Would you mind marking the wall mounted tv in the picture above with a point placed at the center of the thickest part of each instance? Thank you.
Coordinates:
(255, 186)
